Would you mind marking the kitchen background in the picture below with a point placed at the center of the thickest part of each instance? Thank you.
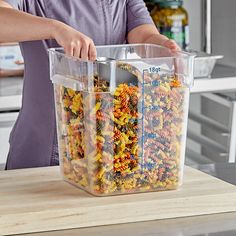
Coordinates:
(211, 133)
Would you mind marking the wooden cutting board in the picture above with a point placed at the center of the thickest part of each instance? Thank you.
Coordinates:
(36, 200)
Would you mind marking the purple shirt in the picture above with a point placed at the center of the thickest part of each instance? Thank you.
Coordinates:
(106, 22)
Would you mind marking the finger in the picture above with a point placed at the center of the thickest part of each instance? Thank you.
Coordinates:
(69, 50)
(77, 50)
(92, 52)
(170, 44)
(84, 51)
(174, 46)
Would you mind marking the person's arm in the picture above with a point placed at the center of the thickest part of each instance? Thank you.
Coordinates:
(17, 26)
(5, 4)
(141, 28)
(148, 33)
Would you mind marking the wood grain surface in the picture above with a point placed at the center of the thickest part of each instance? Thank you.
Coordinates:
(37, 200)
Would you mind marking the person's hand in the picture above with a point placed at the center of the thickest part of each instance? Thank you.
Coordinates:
(74, 43)
(148, 33)
(171, 44)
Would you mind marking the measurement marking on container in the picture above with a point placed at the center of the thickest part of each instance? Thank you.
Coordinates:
(153, 83)
(143, 109)
(151, 108)
(154, 69)
(146, 85)
(150, 135)
(154, 108)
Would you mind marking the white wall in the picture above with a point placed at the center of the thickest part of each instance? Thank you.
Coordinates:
(194, 9)
(224, 30)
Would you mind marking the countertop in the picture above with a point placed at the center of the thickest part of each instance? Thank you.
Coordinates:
(223, 79)
(38, 200)
(210, 225)
(207, 225)
(223, 171)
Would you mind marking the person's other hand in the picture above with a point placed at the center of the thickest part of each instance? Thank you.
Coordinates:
(74, 42)
(148, 33)
(171, 44)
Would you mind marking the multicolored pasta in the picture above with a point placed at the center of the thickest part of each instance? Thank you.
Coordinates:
(127, 141)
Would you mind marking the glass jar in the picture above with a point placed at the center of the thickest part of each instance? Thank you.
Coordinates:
(171, 20)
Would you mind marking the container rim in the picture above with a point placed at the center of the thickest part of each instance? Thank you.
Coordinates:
(179, 54)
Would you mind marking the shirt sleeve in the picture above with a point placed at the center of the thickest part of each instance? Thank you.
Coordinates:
(137, 14)
(14, 3)
(23, 5)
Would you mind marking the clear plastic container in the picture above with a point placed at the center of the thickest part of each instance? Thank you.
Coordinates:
(120, 136)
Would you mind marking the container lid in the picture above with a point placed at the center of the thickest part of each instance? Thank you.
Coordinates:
(168, 3)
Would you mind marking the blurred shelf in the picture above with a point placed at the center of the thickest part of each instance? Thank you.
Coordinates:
(11, 86)
(193, 158)
(10, 93)
(209, 122)
(207, 142)
(222, 79)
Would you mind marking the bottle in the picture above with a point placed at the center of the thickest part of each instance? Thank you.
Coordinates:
(171, 20)
(150, 5)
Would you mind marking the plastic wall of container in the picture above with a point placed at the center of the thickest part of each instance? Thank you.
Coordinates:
(119, 135)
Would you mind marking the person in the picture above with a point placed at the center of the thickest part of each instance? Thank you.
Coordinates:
(77, 26)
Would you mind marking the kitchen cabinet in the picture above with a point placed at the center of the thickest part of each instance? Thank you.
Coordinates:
(218, 133)
(212, 120)
(215, 135)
